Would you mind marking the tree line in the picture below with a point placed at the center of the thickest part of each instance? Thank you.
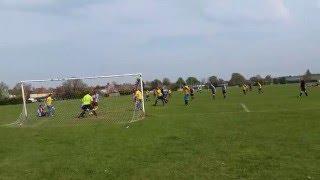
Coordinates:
(73, 89)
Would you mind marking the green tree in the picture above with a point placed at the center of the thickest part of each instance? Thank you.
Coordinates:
(282, 80)
(255, 79)
(221, 81)
(192, 81)
(4, 90)
(73, 89)
(268, 79)
(166, 82)
(275, 80)
(16, 90)
(156, 83)
(307, 76)
(180, 82)
(237, 79)
(213, 80)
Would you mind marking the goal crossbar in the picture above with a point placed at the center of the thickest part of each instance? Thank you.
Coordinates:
(84, 78)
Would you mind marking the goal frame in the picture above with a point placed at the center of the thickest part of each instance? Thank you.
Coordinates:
(137, 75)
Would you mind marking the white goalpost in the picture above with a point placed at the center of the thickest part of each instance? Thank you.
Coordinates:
(113, 95)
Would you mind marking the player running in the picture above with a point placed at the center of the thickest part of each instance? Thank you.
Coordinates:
(213, 91)
(259, 88)
(49, 105)
(165, 95)
(159, 96)
(170, 93)
(224, 91)
(244, 89)
(87, 102)
(192, 93)
(303, 88)
(186, 91)
(96, 99)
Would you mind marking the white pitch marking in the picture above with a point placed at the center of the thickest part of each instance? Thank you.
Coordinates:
(245, 108)
(11, 124)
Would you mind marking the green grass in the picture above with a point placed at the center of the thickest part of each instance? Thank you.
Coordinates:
(277, 139)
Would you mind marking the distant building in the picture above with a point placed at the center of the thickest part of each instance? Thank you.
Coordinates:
(315, 77)
(295, 79)
(12, 96)
(292, 79)
(39, 96)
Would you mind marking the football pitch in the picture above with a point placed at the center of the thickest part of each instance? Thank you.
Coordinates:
(274, 135)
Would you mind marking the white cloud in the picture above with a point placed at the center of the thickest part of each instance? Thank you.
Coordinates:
(247, 11)
(130, 21)
(25, 3)
(146, 17)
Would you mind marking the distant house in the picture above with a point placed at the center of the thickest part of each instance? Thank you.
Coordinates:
(12, 96)
(292, 79)
(36, 97)
(315, 77)
(39, 96)
(295, 79)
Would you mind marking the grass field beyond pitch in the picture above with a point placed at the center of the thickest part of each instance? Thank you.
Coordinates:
(269, 136)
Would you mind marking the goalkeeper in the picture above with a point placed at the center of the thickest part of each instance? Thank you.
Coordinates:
(49, 105)
(87, 102)
(138, 98)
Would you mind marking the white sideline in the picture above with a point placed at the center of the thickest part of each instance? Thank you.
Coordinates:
(245, 108)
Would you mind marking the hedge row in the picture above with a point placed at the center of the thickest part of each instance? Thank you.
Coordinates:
(11, 101)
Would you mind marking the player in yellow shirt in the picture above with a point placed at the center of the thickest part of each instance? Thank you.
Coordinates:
(259, 88)
(186, 91)
(244, 89)
(170, 92)
(138, 99)
(49, 105)
(159, 96)
(87, 101)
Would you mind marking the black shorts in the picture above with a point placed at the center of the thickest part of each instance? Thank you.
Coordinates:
(224, 92)
(95, 104)
(160, 97)
(86, 107)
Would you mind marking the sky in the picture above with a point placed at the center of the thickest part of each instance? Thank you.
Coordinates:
(41, 39)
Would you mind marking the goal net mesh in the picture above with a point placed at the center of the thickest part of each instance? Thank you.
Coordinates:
(113, 101)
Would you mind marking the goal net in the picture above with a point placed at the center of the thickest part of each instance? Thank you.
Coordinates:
(74, 101)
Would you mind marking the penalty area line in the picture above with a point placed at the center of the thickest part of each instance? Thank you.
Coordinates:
(245, 108)
(8, 125)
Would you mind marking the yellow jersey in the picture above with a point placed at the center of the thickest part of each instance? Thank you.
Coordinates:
(49, 101)
(260, 86)
(186, 90)
(87, 99)
(159, 93)
(138, 95)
